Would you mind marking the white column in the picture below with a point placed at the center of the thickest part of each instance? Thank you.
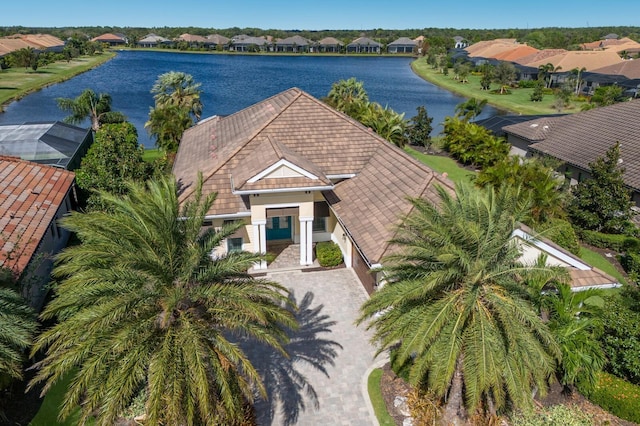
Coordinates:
(263, 244)
(309, 242)
(303, 242)
(259, 241)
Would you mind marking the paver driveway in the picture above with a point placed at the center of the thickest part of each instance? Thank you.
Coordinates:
(324, 381)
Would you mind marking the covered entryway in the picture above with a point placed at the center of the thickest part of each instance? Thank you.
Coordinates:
(279, 228)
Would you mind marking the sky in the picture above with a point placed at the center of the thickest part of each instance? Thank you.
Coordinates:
(319, 15)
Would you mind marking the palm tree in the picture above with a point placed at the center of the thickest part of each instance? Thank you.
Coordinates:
(348, 96)
(166, 125)
(88, 104)
(178, 89)
(454, 308)
(471, 108)
(143, 308)
(17, 328)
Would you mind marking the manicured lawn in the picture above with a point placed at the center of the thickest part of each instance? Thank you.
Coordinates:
(48, 413)
(442, 164)
(596, 259)
(380, 408)
(518, 101)
(17, 82)
(150, 155)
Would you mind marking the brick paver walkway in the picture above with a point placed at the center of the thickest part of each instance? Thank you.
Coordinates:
(324, 394)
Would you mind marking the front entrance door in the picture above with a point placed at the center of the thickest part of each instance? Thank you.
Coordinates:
(279, 228)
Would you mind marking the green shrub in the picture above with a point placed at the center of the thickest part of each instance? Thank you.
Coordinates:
(528, 84)
(617, 396)
(615, 242)
(621, 339)
(631, 263)
(560, 415)
(328, 254)
(560, 232)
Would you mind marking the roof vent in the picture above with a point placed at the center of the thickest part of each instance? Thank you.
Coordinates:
(545, 127)
(534, 125)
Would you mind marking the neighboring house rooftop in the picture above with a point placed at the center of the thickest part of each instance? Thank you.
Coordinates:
(153, 38)
(512, 55)
(109, 38)
(191, 38)
(583, 276)
(403, 41)
(217, 39)
(540, 55)
(629, 69)
(364, 41)
(496, 123)
(579, 139)
(330, 41)
(482, 48)
(570, 60)
(370, 190)
(30, 195)
(53, 143)
(297, 40)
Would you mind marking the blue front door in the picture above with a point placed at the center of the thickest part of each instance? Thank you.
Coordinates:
(279, 228)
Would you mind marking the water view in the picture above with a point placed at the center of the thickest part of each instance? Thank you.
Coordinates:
(233, 82)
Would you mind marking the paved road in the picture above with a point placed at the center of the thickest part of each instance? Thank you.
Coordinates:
(324, 380)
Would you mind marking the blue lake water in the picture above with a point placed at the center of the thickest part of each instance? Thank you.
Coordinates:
(233, 82)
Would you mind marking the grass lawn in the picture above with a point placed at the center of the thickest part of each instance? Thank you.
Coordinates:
(48, 413)
(151, 154)
(18, 82)
(442, 164)
(596, 259)
(518, 101)
(373, 386)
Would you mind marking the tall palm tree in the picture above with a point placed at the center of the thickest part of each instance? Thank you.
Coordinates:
(348, 96)
(92, 106)
(471, 108)
(178, 89)
(455, 310)
(143, 307)
(17, 328)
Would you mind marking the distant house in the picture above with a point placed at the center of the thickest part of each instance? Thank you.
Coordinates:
(191, 39)
(32, 199)
(38, 42)
(244, 43)
(111, 39)
(292, 44)
(364, 45)
(460, 42)
(579, 139)
(402, 45)
(330, 45)
(152, 40)
(215, 40)
(50, 143)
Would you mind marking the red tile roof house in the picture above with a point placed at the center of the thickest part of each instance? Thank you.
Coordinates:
(292, 168)
(579, 139)
(32, 198)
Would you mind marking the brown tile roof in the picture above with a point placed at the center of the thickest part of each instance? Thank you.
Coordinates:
(629, 69)
(494, 46)
(42, 41)
(589, 60)
(30, 195)
(108, 37)
(515, 53)
(319, 139)
(541, 55)
(191, 38)
(8, 45)
(217, 39)
(330, 41)
(579, 139)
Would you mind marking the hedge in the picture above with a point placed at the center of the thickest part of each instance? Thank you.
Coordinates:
(631, 264)
(617, 396)
(560, 232)
(328, 254)
(615, 242)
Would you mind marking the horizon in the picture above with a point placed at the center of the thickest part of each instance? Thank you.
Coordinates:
(334, 15)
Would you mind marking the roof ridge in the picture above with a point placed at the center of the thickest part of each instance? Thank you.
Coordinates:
(240, 146)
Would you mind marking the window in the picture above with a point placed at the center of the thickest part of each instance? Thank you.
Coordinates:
(234, 244)
(319, 224)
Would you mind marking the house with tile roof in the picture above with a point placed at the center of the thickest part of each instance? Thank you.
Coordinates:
(402, 45)
(579, 139)
(51, 143)
(330, 45)
(292, 44)
(32, 198)
(214, 40)
(152, 40)
(364, 45)
(111, 39)
(293, 169)
(245, 43)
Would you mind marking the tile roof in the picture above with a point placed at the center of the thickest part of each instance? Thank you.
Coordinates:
(298, 127)
(539, 56)
(629, 69)
(579, 59)
(30, 195)
(109, 37)
(330, 41)
(579, 139)
(478, 49)
(8, 45)
(191, 38)
(297, 40)
(217, 39)
(403, 41)
(152, 38)
(515, 53)
(364, 41)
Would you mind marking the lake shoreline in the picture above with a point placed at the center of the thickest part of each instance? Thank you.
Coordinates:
(64, 75)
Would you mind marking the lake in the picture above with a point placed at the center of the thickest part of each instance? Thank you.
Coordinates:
(233, 82)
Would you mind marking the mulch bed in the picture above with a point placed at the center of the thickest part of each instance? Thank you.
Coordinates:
(391, 386)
